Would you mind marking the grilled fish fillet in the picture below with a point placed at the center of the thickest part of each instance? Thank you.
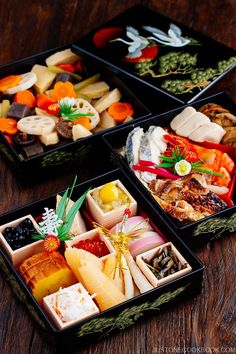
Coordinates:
(186, 198)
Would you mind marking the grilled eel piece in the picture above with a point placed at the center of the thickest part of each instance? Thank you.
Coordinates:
(187, 198)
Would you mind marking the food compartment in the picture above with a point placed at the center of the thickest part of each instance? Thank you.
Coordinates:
(114, 282)
(65, 307)
(107, 203)
(92, 238)
(155, 152)
(159, 53)
(162, 264)
(53, 102)
(16, 239)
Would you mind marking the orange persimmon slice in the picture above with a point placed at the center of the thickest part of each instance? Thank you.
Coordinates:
(8, 126)
(63, 89)
(9, 82)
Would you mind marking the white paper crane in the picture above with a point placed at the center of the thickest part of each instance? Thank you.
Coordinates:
(173, 38)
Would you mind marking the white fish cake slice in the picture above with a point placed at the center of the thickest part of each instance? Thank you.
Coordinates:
(182, 118)
(211, 132)
(195, 121)
(36, 125)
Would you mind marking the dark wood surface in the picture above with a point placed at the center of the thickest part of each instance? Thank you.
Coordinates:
(206, 323)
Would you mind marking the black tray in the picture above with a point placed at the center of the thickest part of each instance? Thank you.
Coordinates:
(209, 52)
(87, 331)
(55, 160)
(192, 233)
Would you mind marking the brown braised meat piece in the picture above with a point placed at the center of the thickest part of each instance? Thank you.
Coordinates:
(186, 198)
(218, 114)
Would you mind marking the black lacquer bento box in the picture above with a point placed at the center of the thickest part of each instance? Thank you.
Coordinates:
(120, 316)
(207, 228)
(160, 53)
(66, 154)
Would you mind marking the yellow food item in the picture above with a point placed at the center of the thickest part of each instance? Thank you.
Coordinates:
(95, 281)
(77, 257)
(108, 193)
(111, 269)
(45, 273)
(110, 197)
(44, 78)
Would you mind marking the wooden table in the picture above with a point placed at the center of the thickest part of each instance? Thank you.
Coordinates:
(202, 324)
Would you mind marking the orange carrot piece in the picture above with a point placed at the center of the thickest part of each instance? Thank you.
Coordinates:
(63, 89)
(44, 101)
(120, 111)
(8, 126)
(9, 81)
(84, 121)
(25, 97)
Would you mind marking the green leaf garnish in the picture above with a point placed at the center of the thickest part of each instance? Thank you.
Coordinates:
(65, 228)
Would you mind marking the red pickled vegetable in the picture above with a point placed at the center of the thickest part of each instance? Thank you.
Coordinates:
(67, 67)
(157, 171)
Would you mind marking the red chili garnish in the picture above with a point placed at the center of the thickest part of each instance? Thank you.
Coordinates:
(67, 67)
(157, 171)
(102, 37)
(146, 163)
(53, 109)
(96, 247)
(51, 243)
(149, 53)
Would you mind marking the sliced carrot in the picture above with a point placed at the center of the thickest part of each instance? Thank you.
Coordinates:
(63, 89)
(67, 67)
(9, 81)
(44, 101)
(25, 97)
(120, 111)
(84, 121)
(8, 126)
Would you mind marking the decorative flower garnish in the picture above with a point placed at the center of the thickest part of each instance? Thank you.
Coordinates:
(174, 160)
(51, 243)
(69, 110)
(183, 167)
(55, 225)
